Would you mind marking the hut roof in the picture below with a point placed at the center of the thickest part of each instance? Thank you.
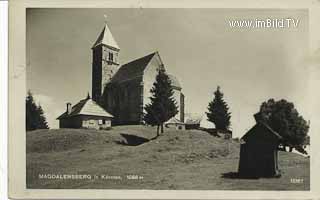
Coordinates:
(251, 132)
(86, 107)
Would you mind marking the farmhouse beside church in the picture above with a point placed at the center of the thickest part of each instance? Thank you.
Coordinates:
(124, 90)
(85, 114)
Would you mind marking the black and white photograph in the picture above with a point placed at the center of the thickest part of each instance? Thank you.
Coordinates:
(167, 99)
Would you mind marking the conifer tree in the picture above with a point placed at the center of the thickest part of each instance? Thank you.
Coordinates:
(163, 105)
(218, 111)
(35, 118)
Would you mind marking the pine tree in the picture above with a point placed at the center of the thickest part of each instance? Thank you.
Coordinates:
(31, 109)
(163, 105)
(218, 111)
(42, 121)
(35, 118)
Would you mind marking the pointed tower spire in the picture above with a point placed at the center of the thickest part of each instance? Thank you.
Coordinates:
(105, 61)
(106, 37)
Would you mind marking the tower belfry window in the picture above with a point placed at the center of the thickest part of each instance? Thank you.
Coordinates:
(110, 56)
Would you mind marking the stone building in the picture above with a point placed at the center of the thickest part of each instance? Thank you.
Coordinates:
(124, 90)
(85, 114)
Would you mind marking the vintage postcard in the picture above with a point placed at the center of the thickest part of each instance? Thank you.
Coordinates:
(163, 100)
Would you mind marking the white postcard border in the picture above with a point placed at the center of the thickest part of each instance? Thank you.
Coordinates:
(17, 91)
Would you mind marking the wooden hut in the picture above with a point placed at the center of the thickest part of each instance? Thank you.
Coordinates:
(259, 152)
(85, 114)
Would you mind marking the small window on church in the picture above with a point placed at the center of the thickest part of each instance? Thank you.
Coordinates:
(110, 56)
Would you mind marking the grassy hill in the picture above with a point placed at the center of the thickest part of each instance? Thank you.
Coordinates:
(189, 159)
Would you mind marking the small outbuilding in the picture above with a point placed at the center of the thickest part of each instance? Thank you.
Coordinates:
(85, 114)
(193, 122)
(259, 152)
(175, 124)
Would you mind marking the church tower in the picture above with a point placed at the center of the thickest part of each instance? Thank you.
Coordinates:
(105, 62)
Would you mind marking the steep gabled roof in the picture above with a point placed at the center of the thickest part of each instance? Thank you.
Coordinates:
(132, 69)
(86, 107)
(251, 132)
(136, 68)
(106, 38)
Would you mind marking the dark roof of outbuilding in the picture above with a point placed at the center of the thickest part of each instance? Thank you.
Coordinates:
(86, 107)
(270, 130)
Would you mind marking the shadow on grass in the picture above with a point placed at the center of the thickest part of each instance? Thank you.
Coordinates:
(236, 175)
(211, 131)
(132, 140)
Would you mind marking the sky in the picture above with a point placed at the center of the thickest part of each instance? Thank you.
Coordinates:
(198, 46)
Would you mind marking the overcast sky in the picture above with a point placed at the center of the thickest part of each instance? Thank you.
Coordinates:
(196, 45)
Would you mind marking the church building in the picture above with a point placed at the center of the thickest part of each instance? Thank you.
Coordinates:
(124, 90)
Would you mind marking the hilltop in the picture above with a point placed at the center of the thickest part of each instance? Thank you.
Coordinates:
(188, 159)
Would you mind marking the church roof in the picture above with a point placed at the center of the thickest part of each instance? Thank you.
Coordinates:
(106, 38)
(86, 107)
(132, 69)
(136, 68)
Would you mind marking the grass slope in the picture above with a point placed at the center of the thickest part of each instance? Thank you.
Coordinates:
(189, 159)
